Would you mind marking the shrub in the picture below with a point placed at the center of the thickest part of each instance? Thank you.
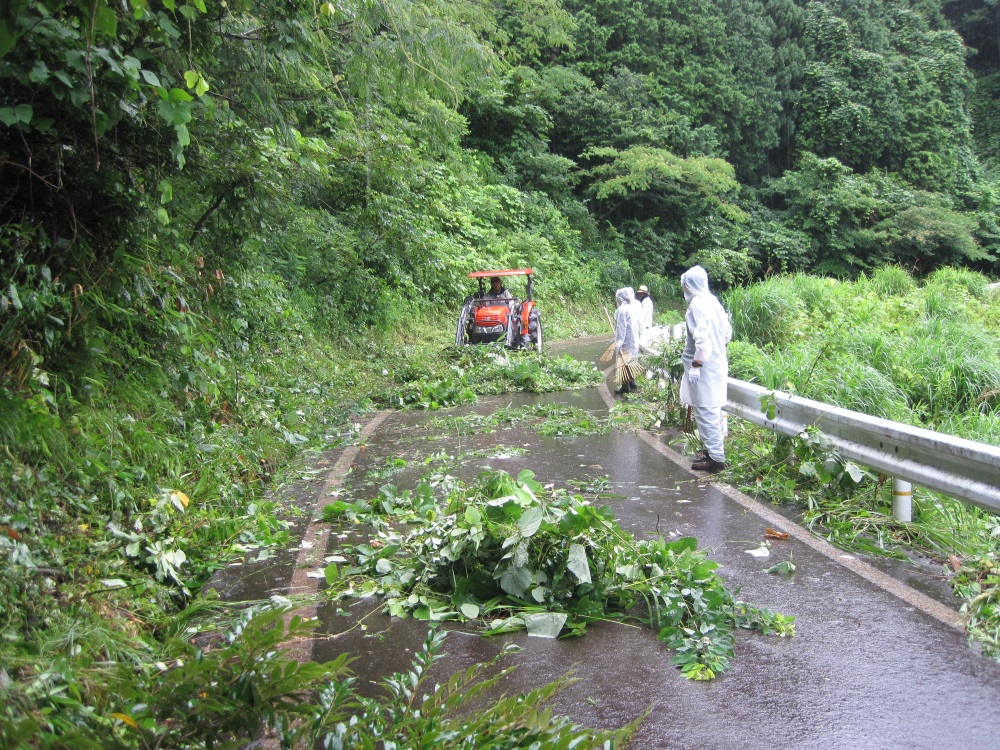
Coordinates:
(892, 281)
(974, 284)
(746, 361)
(765, 313)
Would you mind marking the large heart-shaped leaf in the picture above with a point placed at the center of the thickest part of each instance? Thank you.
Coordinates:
(544, 624)
(530, 520)
(515, 581)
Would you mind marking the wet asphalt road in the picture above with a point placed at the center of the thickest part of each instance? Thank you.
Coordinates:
(867, 669)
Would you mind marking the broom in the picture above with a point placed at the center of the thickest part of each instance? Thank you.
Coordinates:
(628, 368)
(609, 353)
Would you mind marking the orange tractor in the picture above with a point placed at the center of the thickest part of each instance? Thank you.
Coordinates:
(494, 314)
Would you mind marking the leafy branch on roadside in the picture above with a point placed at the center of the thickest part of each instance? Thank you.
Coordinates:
(511, 555)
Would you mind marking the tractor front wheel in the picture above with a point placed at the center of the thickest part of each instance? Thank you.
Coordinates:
(462, 332)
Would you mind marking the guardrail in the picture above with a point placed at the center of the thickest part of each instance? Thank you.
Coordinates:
(953, 466)
(960, 468)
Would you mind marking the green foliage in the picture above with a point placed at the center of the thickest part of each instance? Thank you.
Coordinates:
(892, 281)
(507, 552)
(961, 280)
(977, 584)
(904, 101)
(456, 378)
(246, 686)
(765, 313)
(916, 357)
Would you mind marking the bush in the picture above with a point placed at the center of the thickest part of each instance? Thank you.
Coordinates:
(764, 314)
(892, 281)
(974, 284)
(746, 361)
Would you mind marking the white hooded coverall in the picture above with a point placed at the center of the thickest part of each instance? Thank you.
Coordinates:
(647, 311)
(708, 332)
(627, 322)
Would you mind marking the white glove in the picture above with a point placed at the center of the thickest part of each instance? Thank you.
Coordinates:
(693, 374)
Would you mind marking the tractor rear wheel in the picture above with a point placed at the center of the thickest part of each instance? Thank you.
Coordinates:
(535, 330)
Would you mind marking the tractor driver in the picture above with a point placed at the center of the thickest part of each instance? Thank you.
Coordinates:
(497, 290)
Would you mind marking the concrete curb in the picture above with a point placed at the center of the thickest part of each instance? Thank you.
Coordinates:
(300, 649)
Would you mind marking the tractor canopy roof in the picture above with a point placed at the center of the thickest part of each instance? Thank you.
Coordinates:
(508, 272)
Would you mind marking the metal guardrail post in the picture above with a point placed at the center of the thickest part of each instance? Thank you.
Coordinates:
(902, 500)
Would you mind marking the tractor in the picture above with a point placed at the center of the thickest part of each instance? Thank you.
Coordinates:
(490, 315)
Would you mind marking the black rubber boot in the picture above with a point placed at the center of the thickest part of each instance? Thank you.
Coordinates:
(709, 465)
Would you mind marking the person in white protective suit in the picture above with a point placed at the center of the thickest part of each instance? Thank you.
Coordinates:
(706, 366)
(627, 331)
(647, 306)
(645, 316)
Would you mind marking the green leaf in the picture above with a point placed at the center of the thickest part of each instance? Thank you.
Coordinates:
(191, 78)
(175, 113)
(12, 115)
(684, 544)
(7, 38)
(470, 610)
(472, 516)
(180, 95)
(331, 573)
(578, 564)
(106, 21)
(783, 567)
(150, 77)
(515, 581)
(529, 522)
(39, 73)
(544, 624)
(855, 472)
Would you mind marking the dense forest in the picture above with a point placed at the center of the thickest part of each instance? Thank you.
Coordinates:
(221, 220)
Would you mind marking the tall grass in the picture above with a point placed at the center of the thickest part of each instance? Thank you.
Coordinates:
(950, 367)
(884, 346)
(974, 284)
(765, 314)
(892, 281)
(819, 295)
